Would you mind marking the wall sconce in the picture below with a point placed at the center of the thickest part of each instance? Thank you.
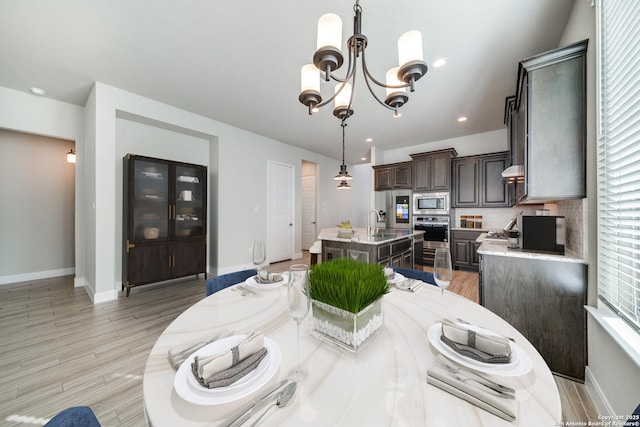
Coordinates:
(71, 156)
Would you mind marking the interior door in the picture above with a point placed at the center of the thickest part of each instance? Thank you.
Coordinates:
(280, 200)
(308, 196)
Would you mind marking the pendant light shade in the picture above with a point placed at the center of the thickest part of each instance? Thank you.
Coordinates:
(343, 176)
(71, 156)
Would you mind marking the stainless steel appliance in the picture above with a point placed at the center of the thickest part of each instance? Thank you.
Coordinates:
(431, 204)
(436, 235)
(396, 204)
(542, 233)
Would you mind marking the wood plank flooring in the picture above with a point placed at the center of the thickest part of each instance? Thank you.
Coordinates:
(57, 349)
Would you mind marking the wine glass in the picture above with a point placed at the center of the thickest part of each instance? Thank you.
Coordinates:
(259, 256)
(442, 272)
(299, 303)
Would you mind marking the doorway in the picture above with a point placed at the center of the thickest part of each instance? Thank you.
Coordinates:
(280, 200)
(309, 196)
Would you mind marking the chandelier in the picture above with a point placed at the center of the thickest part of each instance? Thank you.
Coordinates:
(343, 175)
(328, 58)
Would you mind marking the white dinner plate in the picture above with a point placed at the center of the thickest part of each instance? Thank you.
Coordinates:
(397, 278)
(190, 390)
(520, 364)
(253, 283)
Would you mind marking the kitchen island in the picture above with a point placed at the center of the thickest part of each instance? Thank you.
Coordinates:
(543, 296)
(385, 246)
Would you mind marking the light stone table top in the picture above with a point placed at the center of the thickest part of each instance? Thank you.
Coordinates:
(384, 384)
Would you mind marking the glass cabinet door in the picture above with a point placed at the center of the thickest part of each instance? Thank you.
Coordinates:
(150, 200)
(190, 201)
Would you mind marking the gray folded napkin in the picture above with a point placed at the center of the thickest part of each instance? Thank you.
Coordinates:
(265, 277)
(234, 373)
(485, 348)
(500, 406)
(222, 369)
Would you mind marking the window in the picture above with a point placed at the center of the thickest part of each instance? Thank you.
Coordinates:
(619, 158)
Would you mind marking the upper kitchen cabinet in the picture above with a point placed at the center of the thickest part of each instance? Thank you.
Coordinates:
(550, 125)
(478, 182)
(392, 176)
(432, 170)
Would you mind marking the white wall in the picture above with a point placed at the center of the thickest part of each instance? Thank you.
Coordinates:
(481, 143)
(37, 216)
(27, 113)
(239, 172)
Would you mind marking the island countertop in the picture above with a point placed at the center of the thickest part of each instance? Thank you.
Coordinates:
(359, 235)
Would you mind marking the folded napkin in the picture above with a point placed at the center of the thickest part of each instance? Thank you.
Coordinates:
(500, 406)
(485, 348)
(222, 369)
(265, 277)
(180, 354)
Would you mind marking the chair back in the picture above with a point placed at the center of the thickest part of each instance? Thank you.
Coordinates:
(74, 416)
(409, 273)
(218, 283)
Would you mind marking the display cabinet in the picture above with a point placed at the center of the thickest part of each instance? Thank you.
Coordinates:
(164, 220)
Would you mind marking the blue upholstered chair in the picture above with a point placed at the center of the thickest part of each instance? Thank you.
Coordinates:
(218, 283)
(77, 416)
(425, 276)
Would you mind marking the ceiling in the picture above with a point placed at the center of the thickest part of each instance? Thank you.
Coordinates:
(239, 62)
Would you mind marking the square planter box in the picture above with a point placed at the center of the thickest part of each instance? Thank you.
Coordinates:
(344, 328)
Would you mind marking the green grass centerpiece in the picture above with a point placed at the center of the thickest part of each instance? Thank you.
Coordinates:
(346, 297)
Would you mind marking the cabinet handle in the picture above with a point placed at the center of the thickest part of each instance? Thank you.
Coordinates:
(130, 245)
(170, 211)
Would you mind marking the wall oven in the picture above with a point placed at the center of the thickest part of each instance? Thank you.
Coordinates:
(436, 235)
(431, 204)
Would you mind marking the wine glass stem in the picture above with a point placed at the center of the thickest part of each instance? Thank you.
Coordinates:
(442, 299)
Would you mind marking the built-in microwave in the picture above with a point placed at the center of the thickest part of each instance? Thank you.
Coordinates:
(431, 203)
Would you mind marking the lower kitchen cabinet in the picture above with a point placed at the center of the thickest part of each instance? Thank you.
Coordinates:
(397, 253)
(464, 249)
(544, 300)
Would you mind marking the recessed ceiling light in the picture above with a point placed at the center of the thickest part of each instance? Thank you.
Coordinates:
(363, 158)
(37, 91)
(439, 62)
(369, 139)
(462, 119)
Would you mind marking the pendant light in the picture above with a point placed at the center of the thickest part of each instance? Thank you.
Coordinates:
(71, 156)
(343, 175)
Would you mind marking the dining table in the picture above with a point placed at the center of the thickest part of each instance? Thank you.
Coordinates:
(383, 383)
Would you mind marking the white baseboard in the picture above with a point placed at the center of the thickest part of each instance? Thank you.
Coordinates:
(599, 399)
(37, 275)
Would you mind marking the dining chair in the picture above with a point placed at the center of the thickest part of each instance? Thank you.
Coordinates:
(218, 283)
(77, 416)
(425, 276)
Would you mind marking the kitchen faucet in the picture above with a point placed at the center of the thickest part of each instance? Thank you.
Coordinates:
(378, 219)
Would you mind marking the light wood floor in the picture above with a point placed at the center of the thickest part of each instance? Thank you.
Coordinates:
(57, 349)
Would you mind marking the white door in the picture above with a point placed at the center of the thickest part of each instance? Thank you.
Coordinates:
(281, 209)
(308, 200)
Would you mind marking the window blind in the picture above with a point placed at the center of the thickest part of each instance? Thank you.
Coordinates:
(619, 158)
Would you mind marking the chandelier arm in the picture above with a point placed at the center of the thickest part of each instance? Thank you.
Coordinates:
(350, 70)
(366, 79)
(368, 74)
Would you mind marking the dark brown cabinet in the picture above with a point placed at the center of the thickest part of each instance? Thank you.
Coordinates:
(393, 176)
(164, 220)
(544, 300)
(548, 125)
(464, 249)
(432, 170)
(478, 182)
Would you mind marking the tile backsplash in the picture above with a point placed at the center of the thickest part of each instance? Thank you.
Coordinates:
(574, 212)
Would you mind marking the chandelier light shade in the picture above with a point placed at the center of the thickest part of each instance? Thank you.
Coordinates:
(329, 58)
